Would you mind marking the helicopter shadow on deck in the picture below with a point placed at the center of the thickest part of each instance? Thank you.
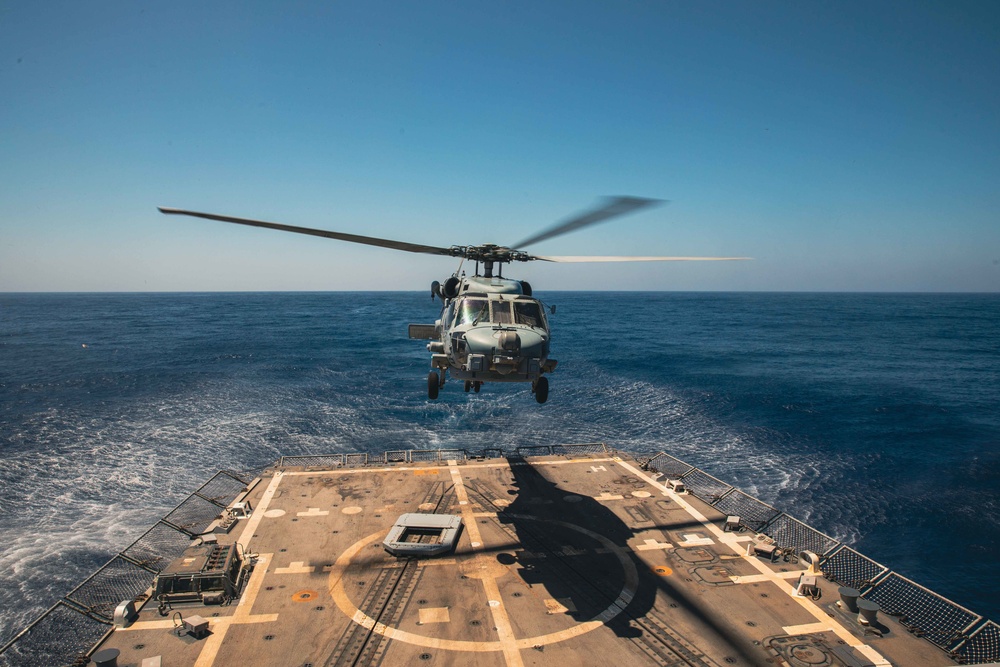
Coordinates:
(583, 575)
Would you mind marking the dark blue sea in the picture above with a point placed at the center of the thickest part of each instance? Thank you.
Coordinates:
(876, 418)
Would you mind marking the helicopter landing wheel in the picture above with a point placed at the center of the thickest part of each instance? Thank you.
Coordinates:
(541, 389)
(432, 385)
(476, 386)
(468, 386)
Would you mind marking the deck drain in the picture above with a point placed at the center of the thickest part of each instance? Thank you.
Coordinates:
(517, 594)
(751, 624)
(421, 601)
(269, 588)
(294, 519)
(730, 660)
(319, 608)
(673, 605)
(138, 647)
(763, 595)
(268, 638)
(282, 550)
(425, 656)
(215, 614)
(474, 622)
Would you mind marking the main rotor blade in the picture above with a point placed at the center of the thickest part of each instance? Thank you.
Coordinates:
(351, 238)
(611, 208)
(627, 258)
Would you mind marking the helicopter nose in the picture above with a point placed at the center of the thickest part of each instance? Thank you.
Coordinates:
(480, 341)
(486, 341)
(532, 343)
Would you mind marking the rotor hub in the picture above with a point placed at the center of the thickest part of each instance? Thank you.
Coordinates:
(489, 252)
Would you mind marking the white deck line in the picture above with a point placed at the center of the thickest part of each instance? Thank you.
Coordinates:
(505, 631)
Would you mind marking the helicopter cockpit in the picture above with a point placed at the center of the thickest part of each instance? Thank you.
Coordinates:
(473, 310)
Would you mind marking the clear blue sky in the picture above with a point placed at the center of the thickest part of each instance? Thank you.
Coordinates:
(844, 145)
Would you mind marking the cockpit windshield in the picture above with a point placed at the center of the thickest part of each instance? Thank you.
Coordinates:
(473, 310)
(528, 313)
(501, 312)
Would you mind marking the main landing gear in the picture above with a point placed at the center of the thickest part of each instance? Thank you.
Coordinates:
(435, 380)
(540, 388)
(434, 383)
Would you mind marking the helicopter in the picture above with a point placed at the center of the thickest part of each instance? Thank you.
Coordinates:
(491, 328)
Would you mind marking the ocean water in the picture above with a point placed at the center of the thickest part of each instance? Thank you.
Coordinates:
(876, 418)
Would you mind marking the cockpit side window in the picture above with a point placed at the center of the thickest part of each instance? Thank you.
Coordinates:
(528, 313)
(473, 310)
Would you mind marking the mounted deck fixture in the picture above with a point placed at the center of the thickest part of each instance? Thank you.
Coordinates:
(423, 534)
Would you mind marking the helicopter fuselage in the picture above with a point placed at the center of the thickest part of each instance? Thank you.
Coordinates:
(490, 330)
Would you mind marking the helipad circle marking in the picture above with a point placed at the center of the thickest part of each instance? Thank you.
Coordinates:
(354, 509)
(272, 514)
(641, 494)
(346, 605)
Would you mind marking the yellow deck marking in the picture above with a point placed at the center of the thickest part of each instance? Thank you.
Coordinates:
(761, 578)
(225, 620)
(768, 574)
(255, 518)
(806, 628)
(314, 511)
(653, 544)
(468, 516)
(296, 567)
(505, 631)
(559, 605)
(434, 615)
